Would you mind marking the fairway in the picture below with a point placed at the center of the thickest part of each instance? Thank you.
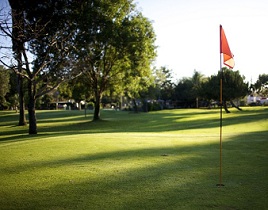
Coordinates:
(158, 160)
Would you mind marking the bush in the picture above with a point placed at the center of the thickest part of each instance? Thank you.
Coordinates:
(153, 106)
(90, 106)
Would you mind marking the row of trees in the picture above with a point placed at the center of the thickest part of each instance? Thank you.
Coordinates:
(200, 90)
(194, 91)
(110, 43)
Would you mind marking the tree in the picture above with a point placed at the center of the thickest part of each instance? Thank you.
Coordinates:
(12, 97)
(14, 30)
(115, 48)
(184, 94)
(233, 87)
(79, 89)
(188, 90)
(164, 76)
(261, 85)
(162, 86)
(42, 34)
(197, 80)
(4, 84)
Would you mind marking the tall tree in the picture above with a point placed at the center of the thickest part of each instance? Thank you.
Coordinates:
(188, 90)
(184, 94)
(42, 34)
(234, 87)
(197, 80)
(162, 86)
(13, 28)
(166, 83)
(115, 48)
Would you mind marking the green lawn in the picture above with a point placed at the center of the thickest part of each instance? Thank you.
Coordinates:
(158, 160)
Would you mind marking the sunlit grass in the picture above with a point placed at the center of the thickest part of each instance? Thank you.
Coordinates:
(159, 160)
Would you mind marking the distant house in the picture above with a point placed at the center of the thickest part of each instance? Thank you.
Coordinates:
(252, 99)
(256, 100)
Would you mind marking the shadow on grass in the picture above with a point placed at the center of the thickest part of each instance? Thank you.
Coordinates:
(159, 121)
(170, 177)
(183, 178)
(74, 122)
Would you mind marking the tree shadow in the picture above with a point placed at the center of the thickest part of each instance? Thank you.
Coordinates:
(173, 177)
(162, 121)
(74, 122)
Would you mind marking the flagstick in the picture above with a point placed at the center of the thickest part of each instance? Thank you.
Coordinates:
(221, 104)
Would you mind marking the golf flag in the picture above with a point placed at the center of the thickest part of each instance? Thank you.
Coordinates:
(225, 50)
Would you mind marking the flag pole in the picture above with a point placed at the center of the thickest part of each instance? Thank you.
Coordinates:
(228, 60)
(221, 104)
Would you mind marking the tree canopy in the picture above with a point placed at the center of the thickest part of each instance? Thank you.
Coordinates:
(233, 86)
(4, 84)
(115, 48)
(261, 85)
(41, 35)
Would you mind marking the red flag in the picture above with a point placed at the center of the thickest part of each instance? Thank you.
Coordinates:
(225, 49)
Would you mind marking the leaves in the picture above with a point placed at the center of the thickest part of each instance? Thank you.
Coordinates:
(115, 47)
(232, 82)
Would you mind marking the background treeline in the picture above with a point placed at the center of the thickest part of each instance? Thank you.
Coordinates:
(163, 93)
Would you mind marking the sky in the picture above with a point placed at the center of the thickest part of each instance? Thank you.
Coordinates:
(187, 34)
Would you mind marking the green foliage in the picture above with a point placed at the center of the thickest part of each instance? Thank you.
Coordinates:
(184, 92)
(65, 91)
(164, 76)
(46, 100)
(4, 84)
(12, 96)
(261, 85)
(162, 87)
(139, 41)
(233, 84)
(197, 79)
(153, 106)
(116, 48)
(187, 90)
(44, 30)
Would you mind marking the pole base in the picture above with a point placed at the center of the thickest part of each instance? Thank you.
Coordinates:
(220, 185)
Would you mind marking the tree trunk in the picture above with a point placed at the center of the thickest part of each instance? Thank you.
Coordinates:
(22, 118)
(225, 107)
(97, 106)
(135, 105)
(17, 47)
(145, 105)
(237, 107)
(32, 118)
(31, 109)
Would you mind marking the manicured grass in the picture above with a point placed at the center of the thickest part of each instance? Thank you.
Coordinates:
(158, 160)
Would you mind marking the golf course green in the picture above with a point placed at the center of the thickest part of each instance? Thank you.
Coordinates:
(158, 160)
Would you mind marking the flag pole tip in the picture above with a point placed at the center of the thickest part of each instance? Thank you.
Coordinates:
(220, 185)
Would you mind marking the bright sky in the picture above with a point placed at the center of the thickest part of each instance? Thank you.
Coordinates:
(188, 34)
